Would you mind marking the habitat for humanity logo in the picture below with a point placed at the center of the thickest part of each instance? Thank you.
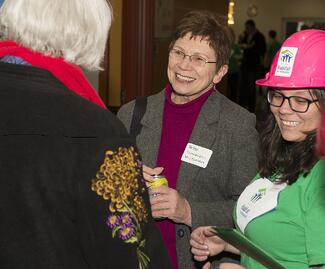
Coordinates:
(286, 61)
(258, 195)
(286, 56)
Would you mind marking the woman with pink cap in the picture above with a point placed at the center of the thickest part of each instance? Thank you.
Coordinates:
(283, 209)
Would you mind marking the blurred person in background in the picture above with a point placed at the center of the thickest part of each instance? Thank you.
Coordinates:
(234, 69)
(253, 45)
(273, 45)
(204, 144)
(72, 193)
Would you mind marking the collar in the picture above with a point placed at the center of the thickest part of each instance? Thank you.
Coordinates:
(69, 74)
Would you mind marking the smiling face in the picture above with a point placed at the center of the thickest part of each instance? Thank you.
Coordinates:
(294, 125)
(189, 81)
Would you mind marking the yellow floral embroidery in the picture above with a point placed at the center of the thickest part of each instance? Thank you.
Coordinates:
(117, 181)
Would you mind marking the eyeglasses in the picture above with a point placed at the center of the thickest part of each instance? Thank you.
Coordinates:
(196, 60)
(296, 103)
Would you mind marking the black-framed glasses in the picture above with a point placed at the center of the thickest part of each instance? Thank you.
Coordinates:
(296, 103)
(195, 59)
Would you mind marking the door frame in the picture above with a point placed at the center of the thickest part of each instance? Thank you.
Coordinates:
(137, 48)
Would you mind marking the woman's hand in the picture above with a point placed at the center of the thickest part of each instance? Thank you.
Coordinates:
(230, 266)
(205, 243)
(170, 204)
(208, 265)
(148, 172)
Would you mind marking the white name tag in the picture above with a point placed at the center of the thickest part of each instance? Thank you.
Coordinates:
(258, 198)
(196, 155)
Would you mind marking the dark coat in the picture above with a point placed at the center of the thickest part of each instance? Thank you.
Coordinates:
(52, 215)
(229, 131)
(253, 56)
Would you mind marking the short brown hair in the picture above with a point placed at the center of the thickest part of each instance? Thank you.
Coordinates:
(210, 26)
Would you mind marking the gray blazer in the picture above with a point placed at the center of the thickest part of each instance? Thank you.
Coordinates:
(229, 131)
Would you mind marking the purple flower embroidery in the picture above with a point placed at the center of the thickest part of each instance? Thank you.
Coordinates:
(113, 221)
(126, 218)
(126, 206)
(126, 232)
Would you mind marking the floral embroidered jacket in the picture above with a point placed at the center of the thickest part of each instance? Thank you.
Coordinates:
(71, 194)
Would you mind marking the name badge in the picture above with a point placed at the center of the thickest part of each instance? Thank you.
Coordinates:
(196, 155)
(258, 198)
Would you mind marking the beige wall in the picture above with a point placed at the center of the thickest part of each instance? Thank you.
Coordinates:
(115, 52)
(114, 58)
(271, 13)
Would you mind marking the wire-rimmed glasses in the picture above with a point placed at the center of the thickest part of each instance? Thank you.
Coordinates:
(196, 60)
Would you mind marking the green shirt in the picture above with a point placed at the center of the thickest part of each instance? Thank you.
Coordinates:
(294, 232)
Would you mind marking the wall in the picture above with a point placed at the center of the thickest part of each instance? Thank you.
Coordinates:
(115, 54)
(114, 58)
(271, 13)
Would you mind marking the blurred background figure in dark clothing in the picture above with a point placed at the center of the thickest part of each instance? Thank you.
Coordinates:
(254, 46)
(273, 46)
(233, 69)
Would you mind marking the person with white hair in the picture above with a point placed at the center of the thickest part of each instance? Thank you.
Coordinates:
(72, 193)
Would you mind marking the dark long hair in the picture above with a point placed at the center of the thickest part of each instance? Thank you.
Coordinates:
(288, 159)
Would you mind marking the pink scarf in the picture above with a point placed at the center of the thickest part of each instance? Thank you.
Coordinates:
(69, 74)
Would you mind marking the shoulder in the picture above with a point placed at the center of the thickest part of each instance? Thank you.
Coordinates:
(313, 184)
(316, 175)
(233, 114)
(55, 109)
(125, 113)
(313, 187)
(87, 119)
(128, 107)
(259, 34)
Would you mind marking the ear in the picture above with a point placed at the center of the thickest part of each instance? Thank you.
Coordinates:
(220, 74)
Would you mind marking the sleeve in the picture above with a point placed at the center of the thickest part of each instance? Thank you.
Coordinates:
(243, 144)
(315, 216)
(244, 155)
(125, 114)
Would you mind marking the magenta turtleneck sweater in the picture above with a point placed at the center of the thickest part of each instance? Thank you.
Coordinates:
(178, 123)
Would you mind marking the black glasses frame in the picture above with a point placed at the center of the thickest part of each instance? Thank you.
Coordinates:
(289, 101)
